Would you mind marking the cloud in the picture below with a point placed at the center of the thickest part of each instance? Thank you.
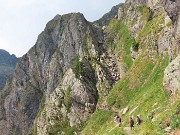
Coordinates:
(15, 3)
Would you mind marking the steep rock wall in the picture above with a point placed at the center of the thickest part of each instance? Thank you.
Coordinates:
(41, 70)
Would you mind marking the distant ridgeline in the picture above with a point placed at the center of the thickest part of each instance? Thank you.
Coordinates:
(7, 66)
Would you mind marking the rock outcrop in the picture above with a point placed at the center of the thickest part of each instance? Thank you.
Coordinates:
(172, 77)
(76, 108)
(40, 72)
(153, 23)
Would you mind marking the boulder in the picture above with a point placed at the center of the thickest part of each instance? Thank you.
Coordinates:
(171, 80)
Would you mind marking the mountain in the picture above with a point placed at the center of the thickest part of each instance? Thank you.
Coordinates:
(78, 76)
(7, 66)
(105, 19)
(58, 64)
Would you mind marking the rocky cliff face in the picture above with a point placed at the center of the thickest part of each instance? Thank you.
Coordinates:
(172, 77)
(60, 73)
(7, 66)
(144, 40)
(156, 25)
(76, 69)
(142, 18)
(171, 9)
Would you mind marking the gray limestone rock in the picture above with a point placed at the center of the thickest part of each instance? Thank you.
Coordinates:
(172, 77)
(41, 70)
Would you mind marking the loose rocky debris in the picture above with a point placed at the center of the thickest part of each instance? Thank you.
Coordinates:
(177, 132)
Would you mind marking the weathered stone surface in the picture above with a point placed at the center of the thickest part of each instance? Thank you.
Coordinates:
(83, 100)
(172, 8)
(172, 77)
(166, 40)
(41, 70)
(149, 3)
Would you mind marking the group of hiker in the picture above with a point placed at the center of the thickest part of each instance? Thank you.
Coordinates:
(118, 120)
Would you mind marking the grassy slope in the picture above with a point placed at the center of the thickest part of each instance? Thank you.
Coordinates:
(141, 89)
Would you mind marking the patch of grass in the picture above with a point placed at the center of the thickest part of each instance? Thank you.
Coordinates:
(145, 12)
(154, 25)
(135, 46)
(125, 89)
(114, 95)
(61, 126)
(77, 67)
(124, 41)
(96, 121)
(42, 105)
(146, 93)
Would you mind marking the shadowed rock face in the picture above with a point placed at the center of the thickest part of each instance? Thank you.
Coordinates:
(172, 8)
(105, 20)
(7, 66)
(41, 70)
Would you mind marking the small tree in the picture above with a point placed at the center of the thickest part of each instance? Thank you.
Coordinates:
(77, 67)
(67, 99)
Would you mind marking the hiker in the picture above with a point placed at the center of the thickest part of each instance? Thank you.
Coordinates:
(104, 106)
(117, 119)
(131, 123)
(138, 120)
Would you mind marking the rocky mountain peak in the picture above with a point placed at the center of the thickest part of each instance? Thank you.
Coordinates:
(41, 70)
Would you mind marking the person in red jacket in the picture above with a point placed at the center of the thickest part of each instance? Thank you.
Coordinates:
(131, 123)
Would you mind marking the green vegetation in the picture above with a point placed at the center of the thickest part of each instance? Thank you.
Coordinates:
(142, 89)
(96, 121)
(67, 99)
(145, 12)
(153, 25)
(135, 46)
(124, 41)
(42, 105)
(63, 126)
(77, 67)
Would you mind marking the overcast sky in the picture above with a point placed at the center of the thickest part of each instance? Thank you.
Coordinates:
(21, 21)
